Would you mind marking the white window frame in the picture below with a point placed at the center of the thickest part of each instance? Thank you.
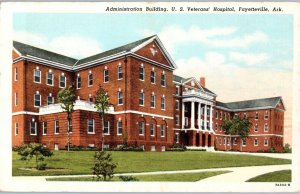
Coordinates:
(235, 141)
(16, 74)
(90, 79)
(244, 142)
(40, 99)
(163, 103)
(16, 128)
(256, 127)
(105, 75)
(44, 127)
(78, 81)
(163, 81)
(255, 142)
(186, 121)
(216, 128)
(217, 116)
(52, 79)
(35, 127)
(56, 126)
(162, 130)
(153, 148)
(266, 140)
(266, 127)
(177, 137)
(119, 126)
(120, 73)
(177, 90)
(65, 82)
(51, 98)
(266, 115)
(152, 100)
(142, 98)
(141, 128)
(177, 105)
(120, 97)
(152, 129)
(245, 115)
(16, 99)
(108, 126)
(154, 77)
(88, 126)
(142, 73)
(177, 120)
(256, 116)
(34, 75)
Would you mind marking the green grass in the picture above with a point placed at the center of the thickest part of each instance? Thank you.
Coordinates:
(180, 177)
(277, 176)
(80, 162)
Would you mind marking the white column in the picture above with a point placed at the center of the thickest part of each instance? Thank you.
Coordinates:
(182, 115)
(210, 118)
(205, 117)
(199, 115)
(192, 115)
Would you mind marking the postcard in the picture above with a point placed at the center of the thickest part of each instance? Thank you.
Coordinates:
(150, 97)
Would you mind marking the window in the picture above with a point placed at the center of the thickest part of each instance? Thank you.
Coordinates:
(256, 115)
(234, 141)
(177, 137)
(16, 128)
(37, 76)
(106, 127)
(50, 99)
(152, 130)
(153, 148)
(90, 79)
(141, 128)
(33, 126)
(243, 142)
(256, 128)
(16, 99)
(163, 80)
(224, 140)
(266, 128)
(120, 72)
(216, 114)
(220, 115)
(245, 115)
(162, 130)
(186, 121)
(106, 78)
(177, 119)
(152, 100)
(56, 127)
(50, 78)
(120, 129)
(266, 115)
(44, 125)
(90, 98)
(78, 82)
(163, 148)
(216, 127)
(163, 103)
(141, 71)
(152, 77)
(70, 126)
(177, 90)
(37, 100)
(177, 105)
(141, 99)
(62, 81)
(256, 142)
(16, 74)
(120, 98)
(91, 126)
(266, 142)
(224, 116)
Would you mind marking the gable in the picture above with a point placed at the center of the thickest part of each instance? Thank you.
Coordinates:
(193, 84)
(15, 54)
(280, 105)
(153, 51)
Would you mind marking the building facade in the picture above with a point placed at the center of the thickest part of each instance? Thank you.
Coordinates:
(151, 107)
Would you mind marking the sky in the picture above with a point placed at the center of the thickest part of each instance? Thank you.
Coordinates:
(242, 57)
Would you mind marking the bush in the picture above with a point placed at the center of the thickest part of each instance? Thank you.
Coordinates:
(128, 178)
(175, 149)
(199, 150)
(103, 167)
(287, 148)
(41, 166)
(133, 148)
(80, 148)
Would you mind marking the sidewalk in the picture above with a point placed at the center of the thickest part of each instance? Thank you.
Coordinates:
(238, 174)
(272, 155)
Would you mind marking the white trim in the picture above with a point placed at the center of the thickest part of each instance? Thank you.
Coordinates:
(30, 57)
(93, 123)
(245, 109)
(60, 81)
(105, 70)
(108, 128)
(16, 99)
(252, 135)
(16, 74)
(90, 74)
(55, 127)
(154, 129)
(34, 100)
(34, 70)
(255, 142)
(143, 128)
(52, 78)
(118, 122)
(265, 142)
(43, 128)
(35, 128)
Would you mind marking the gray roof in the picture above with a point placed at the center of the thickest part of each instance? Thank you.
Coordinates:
(123, 48)
(25, 49)
(256, 103)
(181, 79)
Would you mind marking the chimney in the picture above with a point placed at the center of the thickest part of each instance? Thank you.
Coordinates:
(202, 81)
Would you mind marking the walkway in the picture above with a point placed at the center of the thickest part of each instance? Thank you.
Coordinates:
(272, 155)
(238, 174)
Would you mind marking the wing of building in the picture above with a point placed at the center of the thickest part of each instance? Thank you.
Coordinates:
(151, 107)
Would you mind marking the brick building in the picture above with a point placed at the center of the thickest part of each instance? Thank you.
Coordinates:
(151, 106)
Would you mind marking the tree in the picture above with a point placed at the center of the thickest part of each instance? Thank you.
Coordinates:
(237, 126)
(104, 167)
(102, 105)
(28, 151)
(66, 98)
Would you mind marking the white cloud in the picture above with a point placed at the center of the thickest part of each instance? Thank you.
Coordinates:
(249, 58)
(73, 46)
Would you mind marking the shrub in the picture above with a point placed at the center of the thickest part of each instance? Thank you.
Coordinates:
(41, 166)
(104, 167)
(175, 149)
(272, 150)
(287, 148)
(128, 178)
(133, 147)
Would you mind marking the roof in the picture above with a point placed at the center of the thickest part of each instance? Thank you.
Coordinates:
(256, 103)
(181, 80)
(120, 49)
(26, 50)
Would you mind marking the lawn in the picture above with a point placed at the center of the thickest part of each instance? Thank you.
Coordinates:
(80, 162)
(277, 176)
(179, 177)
